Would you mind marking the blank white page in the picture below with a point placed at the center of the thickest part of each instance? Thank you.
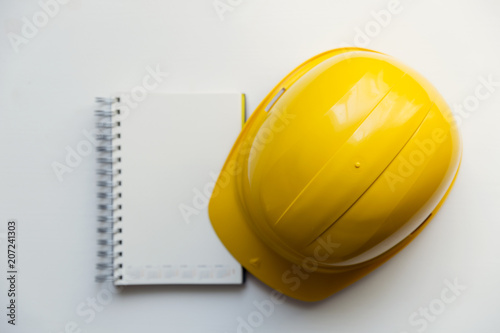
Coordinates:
(172, 148)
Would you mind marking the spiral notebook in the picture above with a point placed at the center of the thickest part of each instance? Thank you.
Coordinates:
(158, 162)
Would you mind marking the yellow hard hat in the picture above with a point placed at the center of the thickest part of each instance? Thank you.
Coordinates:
(344, 162)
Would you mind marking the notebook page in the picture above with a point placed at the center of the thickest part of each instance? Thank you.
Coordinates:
(172, 148)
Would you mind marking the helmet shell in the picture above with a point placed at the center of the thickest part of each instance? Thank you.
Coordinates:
(344, 160)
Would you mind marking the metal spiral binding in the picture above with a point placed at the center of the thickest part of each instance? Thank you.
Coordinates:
(109, 195)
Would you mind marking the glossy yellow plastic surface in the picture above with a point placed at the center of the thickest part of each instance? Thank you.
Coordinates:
(340, 167)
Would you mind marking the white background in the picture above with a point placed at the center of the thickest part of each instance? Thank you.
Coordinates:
(94, 48)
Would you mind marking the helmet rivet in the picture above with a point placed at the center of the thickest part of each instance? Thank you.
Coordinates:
(357, 164)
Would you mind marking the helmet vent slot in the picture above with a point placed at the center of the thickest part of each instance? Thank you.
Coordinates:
(421, 224)
(275, 98)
